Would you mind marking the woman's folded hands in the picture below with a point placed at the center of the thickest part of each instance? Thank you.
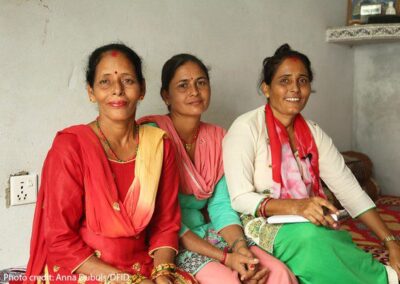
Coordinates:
(243, 261)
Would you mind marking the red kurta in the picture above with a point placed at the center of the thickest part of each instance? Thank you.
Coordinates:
(61, 236)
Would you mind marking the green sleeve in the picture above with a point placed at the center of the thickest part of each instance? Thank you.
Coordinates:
(183, 230)
(220, 209)
(151, 124)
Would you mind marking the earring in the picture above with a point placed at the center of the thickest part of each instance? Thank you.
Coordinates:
(167, 103)
(267, 95)
(141, 98)
(92, 100)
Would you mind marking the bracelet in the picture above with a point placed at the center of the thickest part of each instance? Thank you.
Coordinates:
(236, 242)
(262, 207)
(163, 269)
(166, 273)
(225, 255)
(389, 238)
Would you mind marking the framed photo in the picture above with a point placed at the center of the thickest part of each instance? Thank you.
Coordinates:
(354, 9)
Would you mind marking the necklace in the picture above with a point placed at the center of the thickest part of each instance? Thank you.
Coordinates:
(188, 146)
(105, 141)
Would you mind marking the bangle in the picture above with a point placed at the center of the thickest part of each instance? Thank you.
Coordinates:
(163, 269)
(236, 242)
(164, 266)
(389, 238)
(225, 255)
(161, 273)
(262, 207)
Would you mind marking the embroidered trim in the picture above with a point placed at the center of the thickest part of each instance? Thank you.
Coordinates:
(260, 232)
(363, 33)
(151, 253)
(83, 261)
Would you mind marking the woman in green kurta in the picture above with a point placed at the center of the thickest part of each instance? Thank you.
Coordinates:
(214, 248)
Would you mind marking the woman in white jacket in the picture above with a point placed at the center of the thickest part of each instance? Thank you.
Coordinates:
(273, 161)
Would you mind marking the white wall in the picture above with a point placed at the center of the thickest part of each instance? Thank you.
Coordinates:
(377, 110)
(44, 46)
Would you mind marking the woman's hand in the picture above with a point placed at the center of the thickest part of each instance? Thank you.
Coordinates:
(244, 265)
(313, 209)
(394, 255)
(255, 274)
(260, 277)
(372, 219)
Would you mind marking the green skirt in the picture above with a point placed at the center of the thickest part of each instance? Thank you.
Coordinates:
(317, 254)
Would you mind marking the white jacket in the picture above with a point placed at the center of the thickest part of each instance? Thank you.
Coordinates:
(247, 165)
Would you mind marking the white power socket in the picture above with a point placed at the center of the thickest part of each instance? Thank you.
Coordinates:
(23, 189)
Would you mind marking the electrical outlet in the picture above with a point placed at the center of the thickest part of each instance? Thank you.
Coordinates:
(23, 189)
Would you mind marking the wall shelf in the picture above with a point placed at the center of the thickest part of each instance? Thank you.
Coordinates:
(361, 34)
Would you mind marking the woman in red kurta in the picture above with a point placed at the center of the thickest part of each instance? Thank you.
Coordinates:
(108, 208)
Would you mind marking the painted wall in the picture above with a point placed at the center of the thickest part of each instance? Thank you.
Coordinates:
(377, 110)
(44, 46)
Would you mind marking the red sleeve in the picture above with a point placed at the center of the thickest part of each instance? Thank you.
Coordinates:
(64, 204)
(165, 225)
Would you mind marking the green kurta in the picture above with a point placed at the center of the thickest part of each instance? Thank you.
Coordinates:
(221, 215)
(218, 207)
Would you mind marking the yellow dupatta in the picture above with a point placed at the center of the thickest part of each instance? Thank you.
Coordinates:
(148, 167)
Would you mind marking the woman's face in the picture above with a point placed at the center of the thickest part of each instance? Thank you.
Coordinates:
(189, 91)
(116, 88)
(289, 90)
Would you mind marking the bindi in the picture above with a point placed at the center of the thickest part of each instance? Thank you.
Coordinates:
(293, 58)
(115, 72)
(114, 53)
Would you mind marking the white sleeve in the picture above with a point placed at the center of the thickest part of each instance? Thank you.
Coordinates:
(239, 151)
(338, 177)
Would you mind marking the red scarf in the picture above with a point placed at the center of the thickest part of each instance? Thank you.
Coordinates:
(306, 148)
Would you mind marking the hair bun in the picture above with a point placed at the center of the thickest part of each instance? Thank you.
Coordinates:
(271, 64)
(284, 48)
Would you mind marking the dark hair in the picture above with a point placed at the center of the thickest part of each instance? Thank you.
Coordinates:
(176, 61)
(271, 64)
(98, 53)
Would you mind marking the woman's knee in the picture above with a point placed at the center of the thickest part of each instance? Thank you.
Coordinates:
(278, 271)
(214, 272)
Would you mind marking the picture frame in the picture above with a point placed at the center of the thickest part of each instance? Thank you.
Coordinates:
(354, 7)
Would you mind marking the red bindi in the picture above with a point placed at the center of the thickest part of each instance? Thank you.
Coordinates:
(116, 72)
(293, 58)
(114, 53)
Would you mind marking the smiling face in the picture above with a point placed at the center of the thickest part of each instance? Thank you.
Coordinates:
(189, 91)
(116, 88)
(289, 90)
